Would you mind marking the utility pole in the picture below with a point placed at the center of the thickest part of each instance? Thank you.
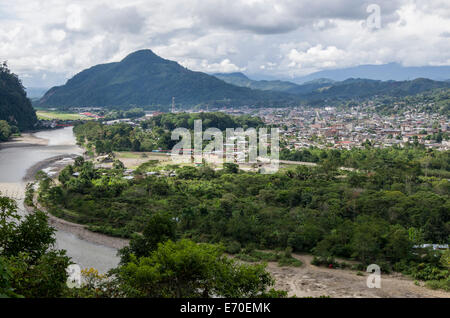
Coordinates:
(173, 105)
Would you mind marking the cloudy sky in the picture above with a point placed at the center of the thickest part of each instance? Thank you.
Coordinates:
(47, 42)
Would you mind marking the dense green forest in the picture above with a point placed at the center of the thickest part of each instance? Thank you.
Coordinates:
(153, 266)
(15, 107)
(375, 214)
(411, 157)
(154, 133)
(436, 101)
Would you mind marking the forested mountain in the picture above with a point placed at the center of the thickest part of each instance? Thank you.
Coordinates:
(145, 79)
(366, 88)
(15, 107)
(322, 90)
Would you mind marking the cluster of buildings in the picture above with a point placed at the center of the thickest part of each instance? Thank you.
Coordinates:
(331, 127)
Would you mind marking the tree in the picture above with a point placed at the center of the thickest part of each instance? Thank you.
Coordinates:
(186, 269)
(445, 259)
(398, 246)
(118, 165)
(159, 229)
(367, 240)
(230, 167)
(9, 219)
(5, 130)
(32, 236)
(15, 107)
(6, 290)
(29, 265)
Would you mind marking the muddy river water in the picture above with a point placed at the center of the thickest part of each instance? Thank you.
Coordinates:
(17, 158)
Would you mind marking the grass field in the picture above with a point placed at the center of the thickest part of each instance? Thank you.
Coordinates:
(50, 115)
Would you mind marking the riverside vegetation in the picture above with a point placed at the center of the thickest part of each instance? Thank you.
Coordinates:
(156, 264)
(395, 199)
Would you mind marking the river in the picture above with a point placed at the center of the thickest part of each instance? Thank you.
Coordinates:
(14, 163)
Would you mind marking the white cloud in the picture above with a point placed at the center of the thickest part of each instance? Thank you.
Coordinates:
(317, 57)
(225, 66)
(278, 38)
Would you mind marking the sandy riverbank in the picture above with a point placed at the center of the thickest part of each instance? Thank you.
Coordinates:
(25, 140)
(33, 170)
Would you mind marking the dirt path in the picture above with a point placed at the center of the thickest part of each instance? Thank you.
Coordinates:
(312, 281)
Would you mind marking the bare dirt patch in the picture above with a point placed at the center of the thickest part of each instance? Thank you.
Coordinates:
(135, 159)
(312, 281)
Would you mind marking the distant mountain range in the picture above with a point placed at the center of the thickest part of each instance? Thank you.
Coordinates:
(365, 88)
(241, 79)
(35, 92)
(144, 79)
(323, 89)
(384, 72)
(147, 80)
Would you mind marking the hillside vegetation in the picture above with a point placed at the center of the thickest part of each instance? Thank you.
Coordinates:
(324, 91)
(15, 107)
(147, 80)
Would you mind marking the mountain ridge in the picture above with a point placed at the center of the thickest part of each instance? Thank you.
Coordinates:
(324, 89)
(142, 78)
(146, 80)
(389, 71)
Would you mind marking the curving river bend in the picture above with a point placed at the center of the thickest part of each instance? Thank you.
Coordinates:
(14, 163)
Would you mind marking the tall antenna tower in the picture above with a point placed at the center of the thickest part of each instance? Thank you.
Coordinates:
(173, 105)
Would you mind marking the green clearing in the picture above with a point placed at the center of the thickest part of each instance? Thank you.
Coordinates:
(50, 115)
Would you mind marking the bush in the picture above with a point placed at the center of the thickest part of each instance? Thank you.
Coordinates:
(281, 258)
(286, 261)
(288, 252)
(326, 261)
(439, 284)
(429, 272)
(233, 247)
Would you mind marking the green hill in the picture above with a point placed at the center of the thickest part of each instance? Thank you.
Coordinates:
(364, 88)
(147, 80)
(326, 91)
(328, 88)
(15, 107)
